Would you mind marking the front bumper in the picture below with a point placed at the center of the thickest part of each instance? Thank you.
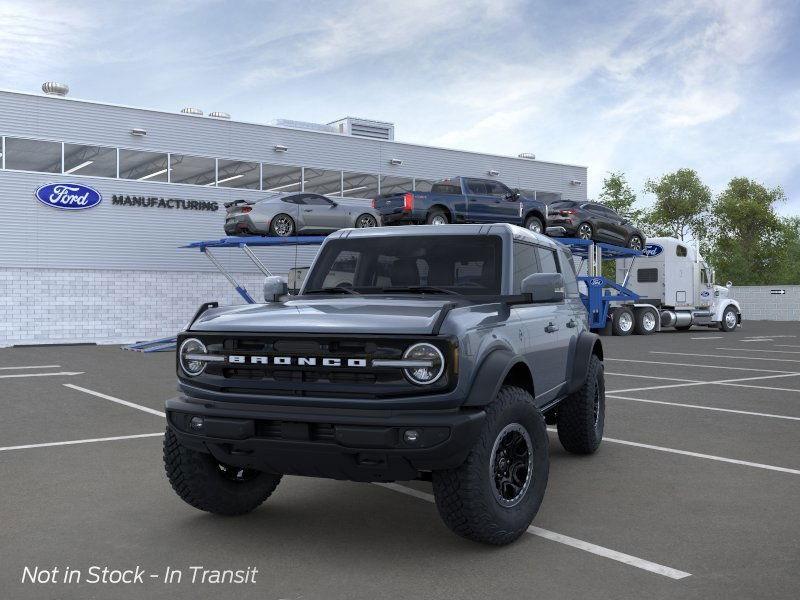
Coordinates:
(357, 445)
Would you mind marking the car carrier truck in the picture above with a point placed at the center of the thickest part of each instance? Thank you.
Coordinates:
(675, 288)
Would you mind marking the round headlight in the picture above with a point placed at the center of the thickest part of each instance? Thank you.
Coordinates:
(190, 347)
(424, 353)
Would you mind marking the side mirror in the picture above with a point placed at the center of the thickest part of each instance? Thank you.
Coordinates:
(544, 287)
(729, 285)
(334, 204)
(274, 288)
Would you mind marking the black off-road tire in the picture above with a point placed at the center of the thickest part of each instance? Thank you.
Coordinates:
(465, 496)
(198, 479)
(435, 217)
(581, 416)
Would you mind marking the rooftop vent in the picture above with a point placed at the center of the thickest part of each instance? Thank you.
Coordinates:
(376, 130)
(527, 155)
(303, 125)
(219, 115)
(192, 111)
(51, 88)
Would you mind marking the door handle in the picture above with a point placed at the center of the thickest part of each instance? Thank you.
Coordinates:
(307, 210)
(551, 328)
(572, 323)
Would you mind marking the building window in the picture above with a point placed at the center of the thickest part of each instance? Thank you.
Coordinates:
(396, 185)
(280, 178)
(321, 181)
(359, 185)
(97, 161)
(423, 185)
(195, 170)
(236, 174)
(33, 155)
(143, 166)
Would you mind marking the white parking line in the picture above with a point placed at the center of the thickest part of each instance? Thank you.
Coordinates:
(701, 407)
(152, 411)
(87, 441)
(627, 559)
(652, 377)
(717, 382)
(759, 350)
(708, 337)
(655, 362)
(792, 360)
(19, 375)
(787, 346)
(31, 367)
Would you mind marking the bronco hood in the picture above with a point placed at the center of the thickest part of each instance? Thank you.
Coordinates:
(329, 315)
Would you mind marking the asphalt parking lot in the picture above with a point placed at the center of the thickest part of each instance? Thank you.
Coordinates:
(693, 494)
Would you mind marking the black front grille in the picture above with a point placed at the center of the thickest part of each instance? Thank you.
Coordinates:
(314, 380)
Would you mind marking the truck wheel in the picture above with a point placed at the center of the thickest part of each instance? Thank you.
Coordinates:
(729, 320)
(437, 217)
(623, 322)
(581, 415)
(645, 322)
(534, 224)
(282, 225)
(495, 494)
(210, 486)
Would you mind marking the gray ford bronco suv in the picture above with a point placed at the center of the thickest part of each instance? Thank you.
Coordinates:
(416, 352)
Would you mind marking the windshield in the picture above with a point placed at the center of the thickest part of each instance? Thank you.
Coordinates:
(462, 264)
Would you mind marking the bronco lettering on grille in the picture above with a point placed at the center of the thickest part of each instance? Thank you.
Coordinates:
(300, 361)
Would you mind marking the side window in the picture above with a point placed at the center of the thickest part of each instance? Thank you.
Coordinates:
(704, 276)
(495, 188)
(681, 250)
(293, 200)
(443, 187)
(476, 186)
(316, 200)
(547, 260)
(568, 269)
(526, 262)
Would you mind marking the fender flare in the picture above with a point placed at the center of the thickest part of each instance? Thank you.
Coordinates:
(588, 344)
(491, 374)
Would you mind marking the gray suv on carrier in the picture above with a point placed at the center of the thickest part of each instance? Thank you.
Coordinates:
(419, 352)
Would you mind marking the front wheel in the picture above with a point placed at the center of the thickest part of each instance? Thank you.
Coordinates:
(495, 494)
(366, 220)
(635, 243)
(534, 224)
(730, 320)
(208, 485)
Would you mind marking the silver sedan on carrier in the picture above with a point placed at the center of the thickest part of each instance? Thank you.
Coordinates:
(297, 214)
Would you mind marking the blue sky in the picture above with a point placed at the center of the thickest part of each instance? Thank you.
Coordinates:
(639, 87)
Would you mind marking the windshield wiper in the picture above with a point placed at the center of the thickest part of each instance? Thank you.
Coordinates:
(421, 289)
(333, 290)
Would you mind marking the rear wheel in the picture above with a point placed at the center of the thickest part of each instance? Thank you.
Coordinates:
(208, 485)
(534, 224)
(282, 225)
(730, 319)
(581, 416)
(645, 323)
(623, 322)
(437, 217)
(495, 494)
(366, 220)
(584, 231)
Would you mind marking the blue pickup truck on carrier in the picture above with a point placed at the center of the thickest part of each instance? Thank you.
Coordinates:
(463, 200)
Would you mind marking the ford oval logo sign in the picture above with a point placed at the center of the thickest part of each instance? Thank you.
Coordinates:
(652, 250)
(595, 282)
(68, 196)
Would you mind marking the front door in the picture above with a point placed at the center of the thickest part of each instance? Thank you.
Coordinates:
(322, 214)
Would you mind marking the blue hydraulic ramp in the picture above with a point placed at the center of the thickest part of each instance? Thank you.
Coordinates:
(245, 244)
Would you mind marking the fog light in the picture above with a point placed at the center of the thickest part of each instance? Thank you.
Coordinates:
(196, 423)
(411, 436)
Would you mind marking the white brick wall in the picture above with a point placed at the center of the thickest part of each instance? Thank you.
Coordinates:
(40, 306)
(758, 304)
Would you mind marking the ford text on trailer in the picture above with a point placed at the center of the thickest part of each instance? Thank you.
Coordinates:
(673, 278)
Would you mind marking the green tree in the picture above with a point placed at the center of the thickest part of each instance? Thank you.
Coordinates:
(618, 196)
(681, 206)
(750, 243)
